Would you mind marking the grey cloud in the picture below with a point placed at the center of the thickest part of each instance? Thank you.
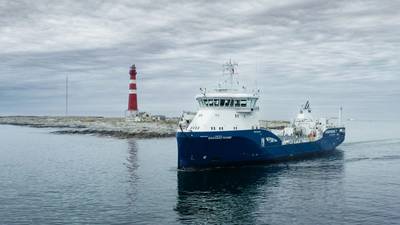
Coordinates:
(332, 52)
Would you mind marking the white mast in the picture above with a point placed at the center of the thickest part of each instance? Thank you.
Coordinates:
(340, 117)
(230, 67)
(66, 95)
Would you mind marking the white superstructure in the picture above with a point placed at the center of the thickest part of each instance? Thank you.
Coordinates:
(304, 127)
(304, 121)
(226, 108)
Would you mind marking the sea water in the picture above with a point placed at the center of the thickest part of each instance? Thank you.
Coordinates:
(82, 179)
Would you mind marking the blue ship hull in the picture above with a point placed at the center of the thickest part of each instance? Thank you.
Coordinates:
(231, 148)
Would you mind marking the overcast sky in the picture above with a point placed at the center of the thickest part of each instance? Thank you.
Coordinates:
(331, 52)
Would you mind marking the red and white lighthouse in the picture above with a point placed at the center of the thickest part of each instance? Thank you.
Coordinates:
(132, 104)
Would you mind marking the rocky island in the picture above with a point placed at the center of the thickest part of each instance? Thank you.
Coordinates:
(118, 127)
(102, 126)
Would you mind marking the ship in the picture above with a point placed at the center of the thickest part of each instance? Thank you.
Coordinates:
(226, 131)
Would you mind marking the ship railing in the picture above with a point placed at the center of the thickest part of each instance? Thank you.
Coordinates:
(332, 126)
(296, 140)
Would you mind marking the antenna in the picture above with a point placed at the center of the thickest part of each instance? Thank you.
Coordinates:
(66, 95)
(230, 67)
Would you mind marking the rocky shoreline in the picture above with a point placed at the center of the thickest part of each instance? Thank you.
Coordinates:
(109, 126)
(101, 126)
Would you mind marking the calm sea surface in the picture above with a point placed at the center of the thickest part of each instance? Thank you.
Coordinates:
(70, 179)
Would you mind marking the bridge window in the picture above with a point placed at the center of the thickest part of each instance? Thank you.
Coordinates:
(216, 102)
(252, 103)
(227, 102)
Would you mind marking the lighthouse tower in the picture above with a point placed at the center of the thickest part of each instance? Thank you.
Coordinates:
(132, 103)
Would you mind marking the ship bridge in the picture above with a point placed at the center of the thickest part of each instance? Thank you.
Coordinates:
(228, 107)
(241, 102)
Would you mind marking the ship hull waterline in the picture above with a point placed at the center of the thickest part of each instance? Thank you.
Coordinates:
(235, 148)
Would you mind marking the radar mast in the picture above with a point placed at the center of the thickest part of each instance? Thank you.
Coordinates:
(230, 67)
